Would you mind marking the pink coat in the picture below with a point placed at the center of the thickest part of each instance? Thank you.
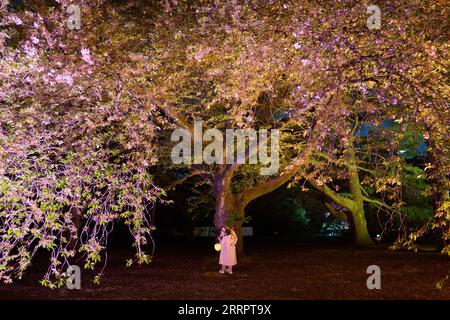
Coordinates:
(228, 251)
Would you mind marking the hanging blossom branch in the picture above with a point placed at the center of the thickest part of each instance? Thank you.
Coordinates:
(75, 149)
(42, 198)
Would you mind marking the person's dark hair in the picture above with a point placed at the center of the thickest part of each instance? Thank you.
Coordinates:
(226, 233)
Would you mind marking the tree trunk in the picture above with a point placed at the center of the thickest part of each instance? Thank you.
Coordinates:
(355, 204)
(224, 199)
(240, 212)
(362, 236)
(229, 210)
(231, 213)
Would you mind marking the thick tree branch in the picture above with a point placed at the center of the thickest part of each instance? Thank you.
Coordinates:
(170, 112)
(337, 213)
(269, 185)
(338, 199)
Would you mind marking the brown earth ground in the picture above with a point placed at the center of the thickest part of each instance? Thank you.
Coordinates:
(271, 269)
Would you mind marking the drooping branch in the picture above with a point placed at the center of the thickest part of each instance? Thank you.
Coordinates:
(377, 202)
(198, 172)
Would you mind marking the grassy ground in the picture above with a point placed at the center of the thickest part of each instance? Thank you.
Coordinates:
(272, 269)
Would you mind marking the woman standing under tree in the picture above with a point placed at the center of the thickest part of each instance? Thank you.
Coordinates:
(228, 240)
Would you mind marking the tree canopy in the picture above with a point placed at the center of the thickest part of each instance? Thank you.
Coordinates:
(85, 113)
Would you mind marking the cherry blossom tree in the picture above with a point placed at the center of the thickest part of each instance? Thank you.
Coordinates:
(247, 63)
(76, 141)
(86, 107)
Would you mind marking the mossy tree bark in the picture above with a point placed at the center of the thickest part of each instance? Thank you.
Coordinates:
(354, 205)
